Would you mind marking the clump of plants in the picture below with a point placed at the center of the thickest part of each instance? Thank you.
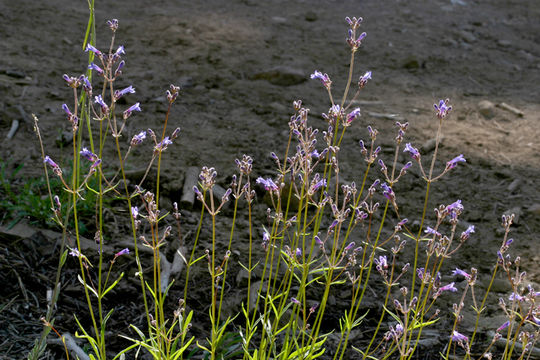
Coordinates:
(320, 235)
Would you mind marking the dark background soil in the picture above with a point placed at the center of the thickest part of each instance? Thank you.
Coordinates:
(220, 52)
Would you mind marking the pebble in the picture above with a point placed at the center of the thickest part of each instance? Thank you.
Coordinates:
(514, 185)
(467, 36)
(282, 76)
(534, 209)
(279, 20)
(486, 108)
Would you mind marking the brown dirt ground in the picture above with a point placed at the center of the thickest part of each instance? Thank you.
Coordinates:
(419, 52)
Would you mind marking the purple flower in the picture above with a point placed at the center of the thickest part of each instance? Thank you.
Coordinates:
(460, 338)
(516, 297)
(96, 68)
(431, 231)
(467, 233)
(75, 253)
(325, 79)
(99, 100)
(122, 252)
(113, 24)
(295, 301)
(415, 154)
(66, 109)
(119, 93)
(119, 68)
(382, 262)
(92, 49)
(119, 51)
(298, 252)
(503, 326)
(87, 86)
(353, 115)
(132, 108)
(350, 246)
(461, 272)
(56, 169)
(387, 191)
(90, 156)
(364, 79)
(442, 109)
(134, 212)
(452, 163)
(449, 287)
(268, 184)
(137, 139)
(162, 145)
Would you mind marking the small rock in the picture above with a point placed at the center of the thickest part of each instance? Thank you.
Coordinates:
(500, 286)
(514, 185)
(504, 43)
(467, 36)
(486, 108)
(516, 211)
(430, 145)
(311, 16)
(411, 63)
(282, 76)
(534, 209)
(279, 20)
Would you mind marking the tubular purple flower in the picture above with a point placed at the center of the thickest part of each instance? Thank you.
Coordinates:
(325, 79)
(461, 273)
(431, 231)
(363, 80)
(66, 109)
(449, 287)
(56, 169)
(175, 133)
(516, 297)
(94, 165)
(119, 51)
(415, 154)
(266, 236)
(382, 165)
(467, 233)
(503, 326)
(132, 108)
(99, 100)
(353, 115)
(113, 24)
(442, 109)
(162, 145)
(382, 262)
(119, 93)
(87, 86)
(118, 70)
(455, 207)
(90, 156)
(298, 252)
(93, 66)
(138, 139)
(460, 338)
(350, 246)
(75, 253)
(387, 191)
(268, 184)
(134, 212)
(452, 163)
(295, 301)
(92, 49)
(122, 252)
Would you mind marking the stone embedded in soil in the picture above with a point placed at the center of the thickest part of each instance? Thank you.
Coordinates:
(514, 185)
(534, 209)
(282, 76)
(486, 108)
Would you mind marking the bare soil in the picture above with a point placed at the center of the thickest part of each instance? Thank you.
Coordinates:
(224, 55)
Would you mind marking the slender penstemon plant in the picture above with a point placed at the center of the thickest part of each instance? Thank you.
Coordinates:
(321, 235)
